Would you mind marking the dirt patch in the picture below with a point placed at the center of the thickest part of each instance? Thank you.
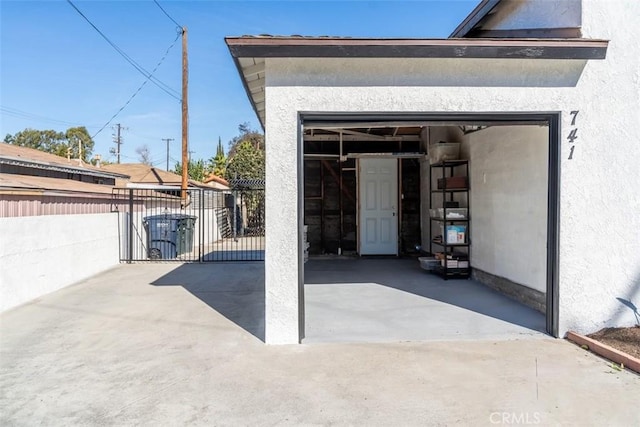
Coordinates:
(623, 339)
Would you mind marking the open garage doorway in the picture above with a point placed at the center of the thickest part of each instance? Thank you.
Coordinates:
(368, 179)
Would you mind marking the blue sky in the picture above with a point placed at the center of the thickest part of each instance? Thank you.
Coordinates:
(56, 71)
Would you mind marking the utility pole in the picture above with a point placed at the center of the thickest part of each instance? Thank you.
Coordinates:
(168, 140)
(185, 117)
(117, 138)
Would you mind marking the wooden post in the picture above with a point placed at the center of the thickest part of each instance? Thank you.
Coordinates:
(185, 119)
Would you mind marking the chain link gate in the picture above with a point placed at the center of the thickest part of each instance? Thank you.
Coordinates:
(216, 225)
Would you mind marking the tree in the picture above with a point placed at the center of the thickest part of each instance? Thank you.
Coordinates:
(77, 135)
(247, 162)
(49, 141)
(218, 164)
(196, 170)
(144, 155)
(65, 144)
(246, 155)
(245, 159)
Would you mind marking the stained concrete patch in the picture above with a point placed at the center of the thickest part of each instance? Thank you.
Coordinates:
(118, 350)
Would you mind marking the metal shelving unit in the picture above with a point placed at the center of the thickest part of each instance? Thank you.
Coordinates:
(459, 251)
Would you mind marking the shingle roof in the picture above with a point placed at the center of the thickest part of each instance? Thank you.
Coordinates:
(29, 157)
(215, 178)
(41, 184)
(145, 174)
(141, 173)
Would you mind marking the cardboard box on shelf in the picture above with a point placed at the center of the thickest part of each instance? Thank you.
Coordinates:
(443, 151)
(455, 234)
(452, 183)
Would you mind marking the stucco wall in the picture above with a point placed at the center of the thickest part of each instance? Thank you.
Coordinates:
(508, 177)
(41, 254)
(528, 14)
(600, 200)
(600, 220)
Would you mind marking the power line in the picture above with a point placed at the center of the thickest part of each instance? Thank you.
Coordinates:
(138, 90)
(150, 138)
(31, 116)
(168, 140)
(135, 65)
(165, 12)
(118, 140)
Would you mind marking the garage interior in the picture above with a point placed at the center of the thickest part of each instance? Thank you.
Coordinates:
(353, 297)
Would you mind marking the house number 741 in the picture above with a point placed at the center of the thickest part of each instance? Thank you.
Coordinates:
(573, 134)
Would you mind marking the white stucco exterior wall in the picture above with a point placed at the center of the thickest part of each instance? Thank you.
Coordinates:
(530, 14)
(508, 176)
(281, 218)
(41, 254)
(600, 220)
(600, 200)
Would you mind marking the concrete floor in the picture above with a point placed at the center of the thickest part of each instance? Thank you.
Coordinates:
(245, 248)
(164, 344)
(386, 300)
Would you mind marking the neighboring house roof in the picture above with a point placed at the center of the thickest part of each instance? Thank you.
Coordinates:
(216, 181)
(148, 175)
(30, 158)
(249, 52)
(12, 183)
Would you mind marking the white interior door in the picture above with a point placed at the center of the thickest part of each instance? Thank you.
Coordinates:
(378, 197)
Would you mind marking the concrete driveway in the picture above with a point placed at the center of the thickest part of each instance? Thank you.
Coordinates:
(167, 344)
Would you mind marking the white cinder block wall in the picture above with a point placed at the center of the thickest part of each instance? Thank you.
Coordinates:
(41, 254)
(600, 196)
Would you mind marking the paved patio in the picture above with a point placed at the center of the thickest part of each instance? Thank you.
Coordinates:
(167, 344)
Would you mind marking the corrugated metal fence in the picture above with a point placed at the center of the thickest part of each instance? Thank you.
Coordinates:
(13, 205)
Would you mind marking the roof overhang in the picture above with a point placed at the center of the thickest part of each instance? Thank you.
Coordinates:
(478, 14)
(325, 47)
(15, 161)
(250, 52)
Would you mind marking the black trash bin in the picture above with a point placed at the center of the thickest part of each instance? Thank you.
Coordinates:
(186, 226)
(169, 235)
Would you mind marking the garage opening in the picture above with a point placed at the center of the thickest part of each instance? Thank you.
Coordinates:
(464, 196)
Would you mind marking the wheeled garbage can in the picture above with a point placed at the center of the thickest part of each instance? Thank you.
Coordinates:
(169, 235)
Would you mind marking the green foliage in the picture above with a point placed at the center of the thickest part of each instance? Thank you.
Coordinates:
(247, 162)
(245, 159)
(76, 134)
(246, 155)
(218, 164)
(59, 143)
(195, 169)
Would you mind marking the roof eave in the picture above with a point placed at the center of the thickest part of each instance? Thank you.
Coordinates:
(57, 167)
(485, 48)
(458, 48)
(476, 15)
(246, 87)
